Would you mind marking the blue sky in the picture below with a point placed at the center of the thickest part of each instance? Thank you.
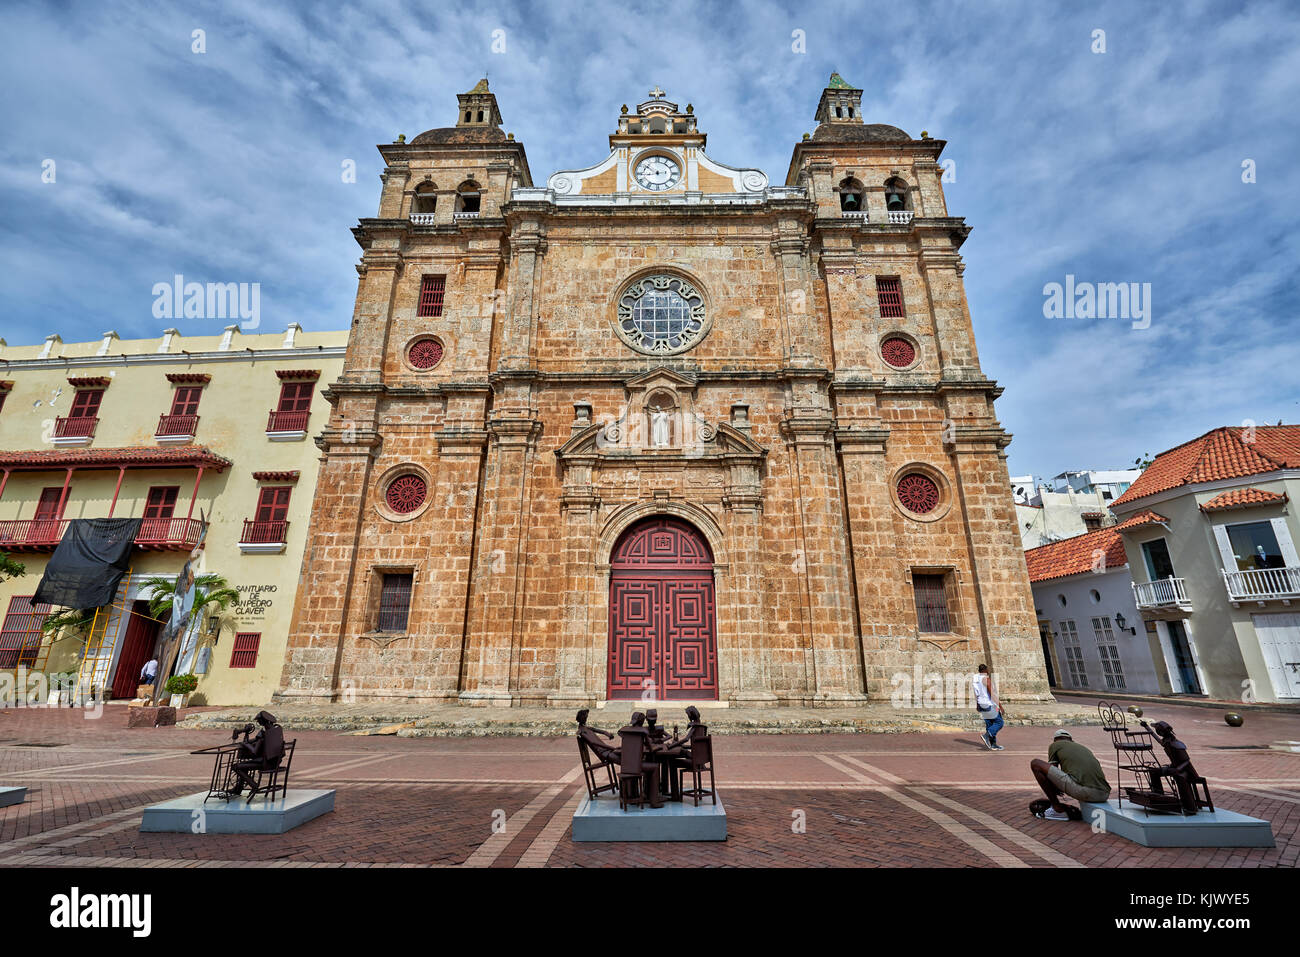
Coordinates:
(1122, 166)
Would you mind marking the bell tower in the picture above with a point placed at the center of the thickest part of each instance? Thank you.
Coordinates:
(478, 107)
(840, 103)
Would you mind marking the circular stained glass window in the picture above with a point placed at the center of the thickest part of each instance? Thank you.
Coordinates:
(898, 352)
(918, 493)
(406, 493)
(661, 315)
(424, 354)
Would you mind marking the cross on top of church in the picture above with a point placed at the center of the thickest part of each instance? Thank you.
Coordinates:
(657, 93)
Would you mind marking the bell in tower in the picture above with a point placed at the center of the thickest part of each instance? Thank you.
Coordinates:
(478, 107)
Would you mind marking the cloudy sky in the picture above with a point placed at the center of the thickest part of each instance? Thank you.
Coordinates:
(1117, 166)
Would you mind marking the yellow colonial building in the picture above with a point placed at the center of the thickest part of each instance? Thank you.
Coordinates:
(198, 437)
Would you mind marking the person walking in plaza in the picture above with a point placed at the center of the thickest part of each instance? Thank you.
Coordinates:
(988, 707)
(1070, 769)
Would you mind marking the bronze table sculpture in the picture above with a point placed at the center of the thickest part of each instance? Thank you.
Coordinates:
(651, 765)
(1135, 754)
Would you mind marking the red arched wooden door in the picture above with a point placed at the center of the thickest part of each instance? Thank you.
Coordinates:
(661, 613)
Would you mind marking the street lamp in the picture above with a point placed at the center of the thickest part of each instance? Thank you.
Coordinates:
(1119, 620)
(214, 628)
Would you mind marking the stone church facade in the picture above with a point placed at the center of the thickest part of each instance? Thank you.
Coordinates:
(658, 429)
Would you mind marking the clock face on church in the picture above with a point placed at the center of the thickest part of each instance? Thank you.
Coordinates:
(657, 173)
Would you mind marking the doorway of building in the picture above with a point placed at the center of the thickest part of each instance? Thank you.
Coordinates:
(662, 639)
(1045, 636)
(1184, 665)
(137, 648)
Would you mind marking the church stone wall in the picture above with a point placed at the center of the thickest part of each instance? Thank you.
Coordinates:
(788, 436)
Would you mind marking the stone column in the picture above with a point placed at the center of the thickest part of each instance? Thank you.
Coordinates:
(830, 619)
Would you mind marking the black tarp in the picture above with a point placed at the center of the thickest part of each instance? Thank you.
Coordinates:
(89, 563)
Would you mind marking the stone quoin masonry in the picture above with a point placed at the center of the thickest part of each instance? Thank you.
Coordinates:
(659, 429)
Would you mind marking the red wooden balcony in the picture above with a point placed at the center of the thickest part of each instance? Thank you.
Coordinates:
(264, 533)
(287, 421)
(169, 533)
(42, 534)
(31, 534)
(75, 426)
(177, 425)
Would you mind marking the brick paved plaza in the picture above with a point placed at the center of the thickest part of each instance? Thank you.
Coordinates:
(920, 799)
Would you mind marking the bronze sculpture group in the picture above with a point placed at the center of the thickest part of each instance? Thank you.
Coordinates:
(1135, 753)
(651, 765)
(258, 763)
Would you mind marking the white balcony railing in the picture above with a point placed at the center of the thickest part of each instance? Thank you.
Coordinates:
(422, 219)
(1262, 584)
(460, 216)
(1166, 592)
(859, 214)
(900, 217)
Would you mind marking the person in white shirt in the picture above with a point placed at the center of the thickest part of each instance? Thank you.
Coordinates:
(988, 707)
(149, 671)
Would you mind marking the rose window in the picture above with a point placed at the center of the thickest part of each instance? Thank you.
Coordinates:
(406, 493)
(898, 352)
(661, 315)
(425, 354)
(918, 493)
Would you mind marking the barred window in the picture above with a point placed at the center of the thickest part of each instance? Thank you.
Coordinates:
(431, 293)
(931, 603)
(889, 292)
(395, 601)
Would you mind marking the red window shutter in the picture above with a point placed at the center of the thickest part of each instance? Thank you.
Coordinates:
(295, 397)
(20, 636)
(161, 502)
(431, 293)
(185, 401)
(273, 503)
(244, 654)
(889, 292)
(85, 404)
(47, 508)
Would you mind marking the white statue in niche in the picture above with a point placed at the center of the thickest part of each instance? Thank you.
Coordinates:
(659, 428)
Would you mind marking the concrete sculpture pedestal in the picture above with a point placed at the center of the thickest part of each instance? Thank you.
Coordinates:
(12, 795)
(1205, 829)
(190, 815)
(601, 820)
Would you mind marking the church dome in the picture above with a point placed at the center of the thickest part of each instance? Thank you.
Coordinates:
(852, 133)
(460, 135)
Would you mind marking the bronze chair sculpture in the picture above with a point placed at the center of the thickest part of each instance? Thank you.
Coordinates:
(607, 757)
(1134, 750)
(700, 761)
(638, 778)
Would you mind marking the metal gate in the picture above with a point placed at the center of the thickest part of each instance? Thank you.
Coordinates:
(662, 642)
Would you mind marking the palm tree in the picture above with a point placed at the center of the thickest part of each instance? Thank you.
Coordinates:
(208, 590)
(10, 568)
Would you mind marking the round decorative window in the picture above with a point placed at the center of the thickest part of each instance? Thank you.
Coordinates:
(661, 315)
(406, 493)
(918, 493)
(898, 352)
(424, 353)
